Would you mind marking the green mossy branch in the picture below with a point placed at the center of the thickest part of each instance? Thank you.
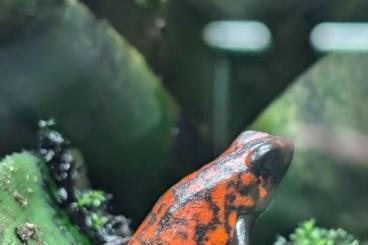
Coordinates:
(28, 214)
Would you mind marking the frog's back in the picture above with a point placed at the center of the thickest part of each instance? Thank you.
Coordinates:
(203, 207)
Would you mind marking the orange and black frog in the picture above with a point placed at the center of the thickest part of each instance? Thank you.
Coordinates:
(218, 204)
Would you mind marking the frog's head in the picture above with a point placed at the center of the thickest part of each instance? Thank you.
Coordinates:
(267, 158)
(263, 160)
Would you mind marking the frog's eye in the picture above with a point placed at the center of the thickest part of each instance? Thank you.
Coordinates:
(263, 159)
(270, 160)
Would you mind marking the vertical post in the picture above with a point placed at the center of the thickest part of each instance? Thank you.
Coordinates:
(221, 102)
(228, 37)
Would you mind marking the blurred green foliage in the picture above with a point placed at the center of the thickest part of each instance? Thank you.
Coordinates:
(170, 37)
(308, 233)
(67, 65)
(324, 113)
(14, 14)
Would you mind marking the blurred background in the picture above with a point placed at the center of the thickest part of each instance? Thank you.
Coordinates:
(150, 90)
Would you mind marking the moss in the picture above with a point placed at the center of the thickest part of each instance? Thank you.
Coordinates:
(89, 210)
(91, 199)
(27, 212)
(97, 221)
(308, 233)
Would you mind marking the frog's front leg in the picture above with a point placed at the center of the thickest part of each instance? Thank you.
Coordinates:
(243, 229)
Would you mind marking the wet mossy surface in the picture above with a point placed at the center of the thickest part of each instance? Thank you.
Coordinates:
(89, 210)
